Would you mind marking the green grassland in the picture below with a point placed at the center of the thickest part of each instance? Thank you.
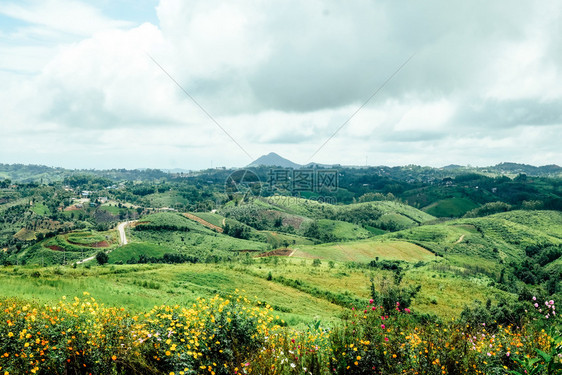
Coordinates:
(297, 291)
(450, 207)
(549, 222)
(40, 209)
(342, 231)
(212, 218)
(130, 251)
(166, 199)
(181, 235)
(279, 239)
(365, 251)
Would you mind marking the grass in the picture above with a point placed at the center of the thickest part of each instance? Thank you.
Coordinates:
(194, 243)
(279, 239)
(171, 221)
(134, 250)
(139, 287)
(549, 222)
(85, 238)
(40, 209)
(68, 248)
(450, 207)
(166, 199)
(172, 284)
(375, 231)
(209, 217)
(112, 209)
(342, 231)
(365, 251)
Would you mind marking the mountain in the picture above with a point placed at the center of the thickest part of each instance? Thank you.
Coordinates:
(273, 160)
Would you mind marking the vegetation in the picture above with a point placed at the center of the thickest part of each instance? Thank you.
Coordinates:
(400, 270)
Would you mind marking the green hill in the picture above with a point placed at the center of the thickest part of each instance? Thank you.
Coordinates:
(450, 207)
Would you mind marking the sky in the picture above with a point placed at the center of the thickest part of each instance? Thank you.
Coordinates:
(199, 84)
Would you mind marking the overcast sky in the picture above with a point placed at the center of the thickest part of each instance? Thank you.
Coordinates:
(78, 88)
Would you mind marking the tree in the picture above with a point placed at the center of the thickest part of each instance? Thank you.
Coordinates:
(102, 258)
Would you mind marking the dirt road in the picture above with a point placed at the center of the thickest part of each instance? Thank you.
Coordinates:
(122, 239)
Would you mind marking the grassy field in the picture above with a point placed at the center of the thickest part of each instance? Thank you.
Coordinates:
(166, 199)
(212, 218)
(450, 207)
(365, 251)
(549, 222)
(139, 287)
(342, 231)
(278, 239)
(40, 209)
(134, 250)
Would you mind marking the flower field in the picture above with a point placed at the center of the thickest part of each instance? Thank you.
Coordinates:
(236, 335)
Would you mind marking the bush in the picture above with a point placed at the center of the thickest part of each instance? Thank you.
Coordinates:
(102, 258)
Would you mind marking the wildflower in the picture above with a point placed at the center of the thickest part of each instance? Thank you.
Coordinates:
(534, 298)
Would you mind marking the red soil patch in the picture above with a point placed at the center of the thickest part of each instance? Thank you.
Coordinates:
(72, 208)
(277, 252)
(55, 247)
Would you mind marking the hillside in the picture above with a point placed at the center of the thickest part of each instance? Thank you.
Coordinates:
(273, 160)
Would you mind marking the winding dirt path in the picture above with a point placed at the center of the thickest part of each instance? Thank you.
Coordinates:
(122, 239)
(460, 239)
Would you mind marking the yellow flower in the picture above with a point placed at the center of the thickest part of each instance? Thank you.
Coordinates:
(113, 357)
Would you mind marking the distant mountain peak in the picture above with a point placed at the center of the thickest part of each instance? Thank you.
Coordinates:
(273, 160)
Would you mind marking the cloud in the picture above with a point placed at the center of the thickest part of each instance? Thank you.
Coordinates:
(284, 77)
(69, 17)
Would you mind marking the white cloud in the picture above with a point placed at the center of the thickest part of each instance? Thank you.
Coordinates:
(281, 77)
(72, 17)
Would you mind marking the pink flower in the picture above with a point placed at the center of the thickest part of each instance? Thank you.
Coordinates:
(536, 305)
(551, 302)
(383, 326)
(373, 308)
(407, 310)
(534, 298)
(386, 339)
(371, 301)
(507, 354)
(397, 303)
